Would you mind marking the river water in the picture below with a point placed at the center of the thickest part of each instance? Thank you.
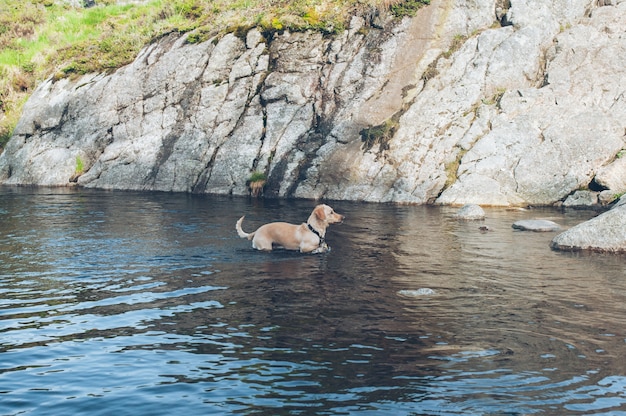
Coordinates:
(121, 303)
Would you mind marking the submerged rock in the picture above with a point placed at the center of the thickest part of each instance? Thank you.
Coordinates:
(470, 212)
(536, 225)
(604, 233)
(425, 291)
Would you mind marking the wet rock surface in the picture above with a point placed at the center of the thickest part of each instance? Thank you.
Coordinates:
(604, 233)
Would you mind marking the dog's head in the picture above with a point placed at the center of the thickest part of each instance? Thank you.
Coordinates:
(327, 215)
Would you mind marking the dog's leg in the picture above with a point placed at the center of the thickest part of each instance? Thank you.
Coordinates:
(323, 248)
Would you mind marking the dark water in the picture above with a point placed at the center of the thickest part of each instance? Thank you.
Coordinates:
(149, 304)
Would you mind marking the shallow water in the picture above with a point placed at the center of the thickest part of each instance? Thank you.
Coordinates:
(149, 304)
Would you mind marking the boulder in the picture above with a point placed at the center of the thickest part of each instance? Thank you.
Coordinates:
(606, 197)
(581, 199)
(604, 233)
(470, 212)
(613, 176)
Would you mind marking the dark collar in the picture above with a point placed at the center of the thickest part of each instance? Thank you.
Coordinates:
(314, 231)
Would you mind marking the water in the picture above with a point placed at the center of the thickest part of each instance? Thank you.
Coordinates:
(116, 303)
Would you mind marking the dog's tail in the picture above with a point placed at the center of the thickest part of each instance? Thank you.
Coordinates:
(241, 232)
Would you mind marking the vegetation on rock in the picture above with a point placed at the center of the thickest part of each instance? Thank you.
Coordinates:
(380, 135)
(43, 38)
(256, 183)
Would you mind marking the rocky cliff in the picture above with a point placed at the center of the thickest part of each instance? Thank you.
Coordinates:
(489, 102)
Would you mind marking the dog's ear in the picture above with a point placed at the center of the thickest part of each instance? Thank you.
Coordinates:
(319, 212)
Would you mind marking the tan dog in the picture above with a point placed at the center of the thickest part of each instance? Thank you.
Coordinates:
(307, 237)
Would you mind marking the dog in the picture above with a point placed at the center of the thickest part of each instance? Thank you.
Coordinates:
(307, 237)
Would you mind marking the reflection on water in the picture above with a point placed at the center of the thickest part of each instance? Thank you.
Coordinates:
(128, 303)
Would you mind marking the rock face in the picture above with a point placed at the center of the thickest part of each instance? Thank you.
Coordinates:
(604, 233)
(467, 103)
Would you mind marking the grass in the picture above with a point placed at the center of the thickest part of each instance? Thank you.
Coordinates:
(456, 44)
(256, 183)
(452, 168)
(257, 177)
(80, 166)
(380, 134)
(43, 38)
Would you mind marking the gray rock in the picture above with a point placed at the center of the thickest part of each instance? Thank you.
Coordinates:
(604, 233)
(536, 225)
(606, 197)
(512, 115)
(581, 199)
(470, 212)
(613, 176)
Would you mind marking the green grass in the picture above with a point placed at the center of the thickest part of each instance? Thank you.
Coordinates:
(257, 177)
(43, 38)
(80, 166)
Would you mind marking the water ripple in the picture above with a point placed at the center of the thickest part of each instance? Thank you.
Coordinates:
(127, 303)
